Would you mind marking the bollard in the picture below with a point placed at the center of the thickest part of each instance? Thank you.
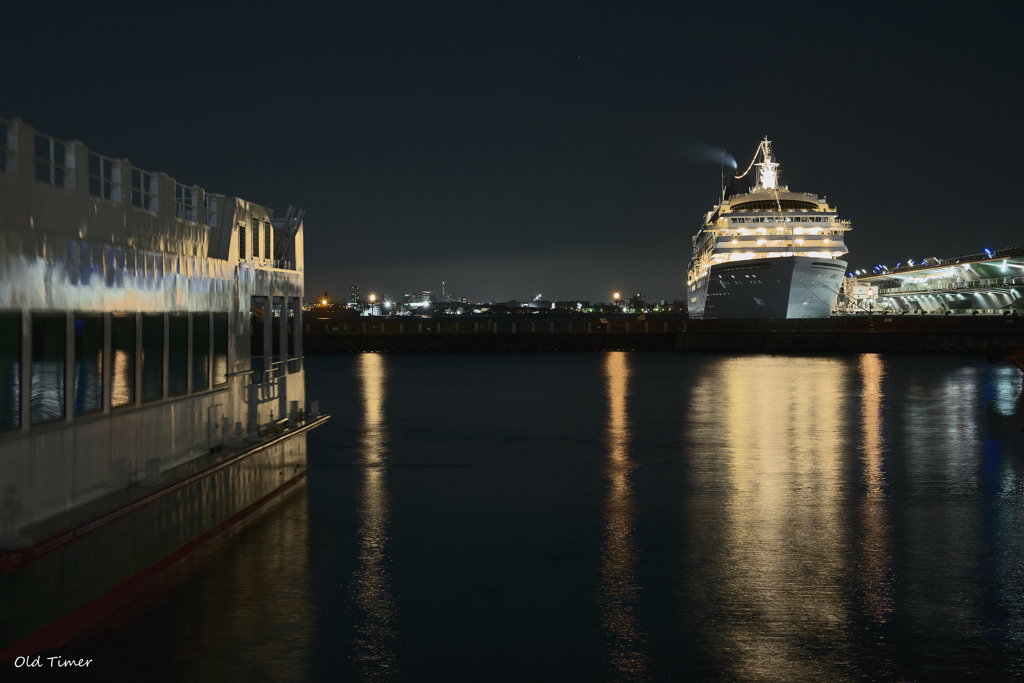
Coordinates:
(254, 433)
(293, 413)
(314, 408)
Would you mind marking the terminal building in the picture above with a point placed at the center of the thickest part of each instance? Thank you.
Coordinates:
(989, 283)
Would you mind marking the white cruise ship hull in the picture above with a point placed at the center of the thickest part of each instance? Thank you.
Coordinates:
(789, 287)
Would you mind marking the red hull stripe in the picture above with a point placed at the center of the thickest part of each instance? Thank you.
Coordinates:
(69, 626)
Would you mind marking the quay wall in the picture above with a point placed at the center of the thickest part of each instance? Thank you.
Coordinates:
(976, 335)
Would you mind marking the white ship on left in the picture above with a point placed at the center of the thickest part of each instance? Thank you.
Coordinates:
(144, 404)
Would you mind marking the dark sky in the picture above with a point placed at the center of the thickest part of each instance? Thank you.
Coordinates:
(515, 149)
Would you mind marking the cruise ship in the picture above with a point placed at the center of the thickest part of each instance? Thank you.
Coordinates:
(152, 388)
(767, 252)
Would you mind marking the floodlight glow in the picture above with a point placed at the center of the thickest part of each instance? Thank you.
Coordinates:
(373, 297)
(324, 302)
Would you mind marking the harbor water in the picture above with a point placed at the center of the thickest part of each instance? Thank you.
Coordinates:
(617, 516)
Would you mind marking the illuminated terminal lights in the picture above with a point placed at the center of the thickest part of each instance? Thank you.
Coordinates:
(989, 283)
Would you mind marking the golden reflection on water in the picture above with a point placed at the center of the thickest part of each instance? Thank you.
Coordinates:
(123, 379)
(778, 423)
(372, 586)
(877, 568)
(619, 588)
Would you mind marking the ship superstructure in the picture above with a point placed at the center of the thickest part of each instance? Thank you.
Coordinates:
(768, 252)
(152, 388)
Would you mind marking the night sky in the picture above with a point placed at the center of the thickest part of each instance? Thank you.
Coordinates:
(552, 148)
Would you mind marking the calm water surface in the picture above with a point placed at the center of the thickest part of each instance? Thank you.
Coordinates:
(618, 516)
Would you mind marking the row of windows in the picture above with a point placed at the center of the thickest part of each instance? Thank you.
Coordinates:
(780, 219)
(774, 205)
(185, 356)
(54, 165)
(243, 232)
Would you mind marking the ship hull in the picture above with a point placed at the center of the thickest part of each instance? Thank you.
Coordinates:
(790, 287)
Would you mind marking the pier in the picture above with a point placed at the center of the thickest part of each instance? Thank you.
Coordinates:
(956, 335)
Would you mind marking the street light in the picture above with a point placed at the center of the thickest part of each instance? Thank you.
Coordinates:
(616, 295)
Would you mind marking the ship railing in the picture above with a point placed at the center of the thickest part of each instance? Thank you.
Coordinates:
(1007, 252)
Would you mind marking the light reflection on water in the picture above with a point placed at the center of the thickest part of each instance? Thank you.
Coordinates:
(785, 539)
(619, 588)
(655, 516)
(374, 646)
(123, 378)
(876, 563)
(47, 391)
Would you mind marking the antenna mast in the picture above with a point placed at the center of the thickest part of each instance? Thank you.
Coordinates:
(723, 175)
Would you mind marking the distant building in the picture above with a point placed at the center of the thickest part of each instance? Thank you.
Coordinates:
(353, 294)
(418, 299)
(989, 283)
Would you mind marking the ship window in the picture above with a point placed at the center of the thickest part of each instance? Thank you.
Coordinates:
(177, 355)
(266, 240)
(122, 376)
(288, 321)
(104, 178)
(184, 202)
(51, 156)
(10, 372)
(210, 202)
(241, 242)
(200, 351)
(144, 190)
(277, 308)
(88, 364)
(256, 237)
(220, 348)
(47, 387)
(152, 357)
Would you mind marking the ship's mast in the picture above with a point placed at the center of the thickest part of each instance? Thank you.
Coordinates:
(769, 170)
